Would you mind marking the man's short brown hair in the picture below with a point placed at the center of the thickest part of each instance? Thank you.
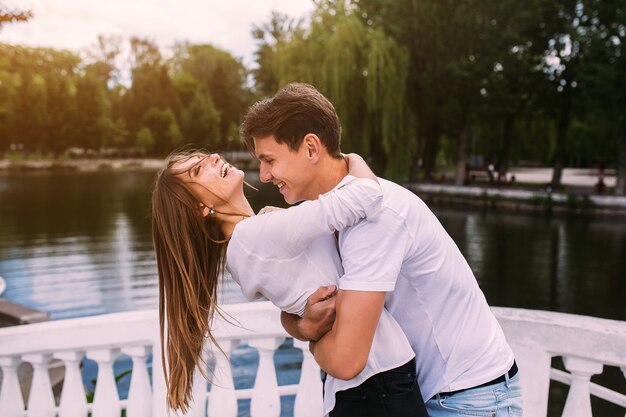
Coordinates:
(295, 111)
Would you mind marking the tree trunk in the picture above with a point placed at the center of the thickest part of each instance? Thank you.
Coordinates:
(507, 139)
(461, 158)
(561, 138)
(416, 158)
(620, 185)
(431, 149)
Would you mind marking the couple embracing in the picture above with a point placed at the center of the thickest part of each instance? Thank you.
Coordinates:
(361, 269)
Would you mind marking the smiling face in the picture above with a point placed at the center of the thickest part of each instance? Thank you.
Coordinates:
(213, 181)
(290, 170)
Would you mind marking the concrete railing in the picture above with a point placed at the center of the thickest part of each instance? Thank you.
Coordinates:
(585, 343)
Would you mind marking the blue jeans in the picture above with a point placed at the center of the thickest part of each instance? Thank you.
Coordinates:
(498, 400)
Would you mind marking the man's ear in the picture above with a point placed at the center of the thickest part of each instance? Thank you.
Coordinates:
(313, 147)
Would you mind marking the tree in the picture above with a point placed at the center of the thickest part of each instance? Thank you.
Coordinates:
(8, 15)
(200, 120)
(164, 130)
(268, 36)
(151, 85)
(361, 70)
(221, 78)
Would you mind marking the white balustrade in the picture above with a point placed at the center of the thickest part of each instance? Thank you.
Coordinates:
(585, 343)
(139, 402)
(73, 399)
(578, 402)
(11, 400)
(41, 400)
(223, 401)
(310, 387)
(106, 400)
(265, 398)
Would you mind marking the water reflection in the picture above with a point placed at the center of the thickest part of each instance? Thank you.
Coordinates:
(76, 244)
(573, 265)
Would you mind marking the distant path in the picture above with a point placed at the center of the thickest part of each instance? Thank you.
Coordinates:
(571, 176)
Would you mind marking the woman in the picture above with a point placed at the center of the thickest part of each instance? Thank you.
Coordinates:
(202, 221)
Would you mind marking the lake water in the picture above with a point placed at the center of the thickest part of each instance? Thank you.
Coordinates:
(78, 244)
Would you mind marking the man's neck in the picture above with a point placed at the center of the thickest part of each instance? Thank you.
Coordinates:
(332, 171)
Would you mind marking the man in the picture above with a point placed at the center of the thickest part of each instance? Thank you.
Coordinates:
(402, 260)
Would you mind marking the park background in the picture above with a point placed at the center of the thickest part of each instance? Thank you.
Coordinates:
(430, 92)
(420, 86)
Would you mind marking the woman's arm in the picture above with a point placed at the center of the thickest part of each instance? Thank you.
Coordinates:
(288, 232)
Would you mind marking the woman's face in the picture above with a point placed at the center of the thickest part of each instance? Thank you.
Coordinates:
(210, 179)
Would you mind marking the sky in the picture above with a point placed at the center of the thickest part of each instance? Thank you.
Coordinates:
(75, 24)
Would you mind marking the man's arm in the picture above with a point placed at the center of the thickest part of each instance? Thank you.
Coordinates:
(343, 351)
(319, 316)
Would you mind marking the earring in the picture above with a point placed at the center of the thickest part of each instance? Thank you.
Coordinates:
(211, 211)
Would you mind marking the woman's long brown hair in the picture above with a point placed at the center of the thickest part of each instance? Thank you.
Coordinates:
(190, 251)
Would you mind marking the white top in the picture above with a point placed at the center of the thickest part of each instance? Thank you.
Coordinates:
(286, 255)
(432, 292)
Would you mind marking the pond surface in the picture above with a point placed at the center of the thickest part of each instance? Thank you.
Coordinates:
(79, 244)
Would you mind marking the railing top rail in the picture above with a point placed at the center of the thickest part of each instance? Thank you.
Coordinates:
(566, 334)
(239, 321)
(559, 333)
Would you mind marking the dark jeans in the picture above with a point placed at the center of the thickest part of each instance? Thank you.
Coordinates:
(394, 393)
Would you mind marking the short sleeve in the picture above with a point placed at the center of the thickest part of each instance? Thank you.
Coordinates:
(372, 253)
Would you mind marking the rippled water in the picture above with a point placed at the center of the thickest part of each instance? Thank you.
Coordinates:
(78, 244)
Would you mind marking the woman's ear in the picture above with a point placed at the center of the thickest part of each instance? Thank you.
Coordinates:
(204, 210)
(312, 146)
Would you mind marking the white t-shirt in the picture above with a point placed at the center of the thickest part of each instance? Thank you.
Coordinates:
(432, 292)
(286, 255)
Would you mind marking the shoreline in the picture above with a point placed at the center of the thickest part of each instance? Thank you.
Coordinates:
(82, 165)
(531, 199)
(521, 200)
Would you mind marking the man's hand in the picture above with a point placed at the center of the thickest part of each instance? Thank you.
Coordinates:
(318, 319)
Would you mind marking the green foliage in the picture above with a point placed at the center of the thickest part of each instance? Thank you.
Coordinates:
(212, 84)
(200, 120)
(164, 130)
(145, 141)
(52, 100)
(360, 69)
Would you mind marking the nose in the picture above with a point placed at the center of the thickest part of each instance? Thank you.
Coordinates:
(214, 159)
(264, 173)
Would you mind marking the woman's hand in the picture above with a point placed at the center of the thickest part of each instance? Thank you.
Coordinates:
(269, 209)
(357, 167)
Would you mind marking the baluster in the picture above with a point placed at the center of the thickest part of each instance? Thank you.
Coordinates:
(11, 400)
(159, 406)
(265, 397)
(73, 398)
(223, 401)
(534, 365)
(198, 403)
(140, 394)
(624, 372)
(309, 399)
(40, 400)
(578, 402)
(106, 401)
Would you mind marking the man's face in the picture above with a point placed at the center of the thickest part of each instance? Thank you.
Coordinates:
(291, 171)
